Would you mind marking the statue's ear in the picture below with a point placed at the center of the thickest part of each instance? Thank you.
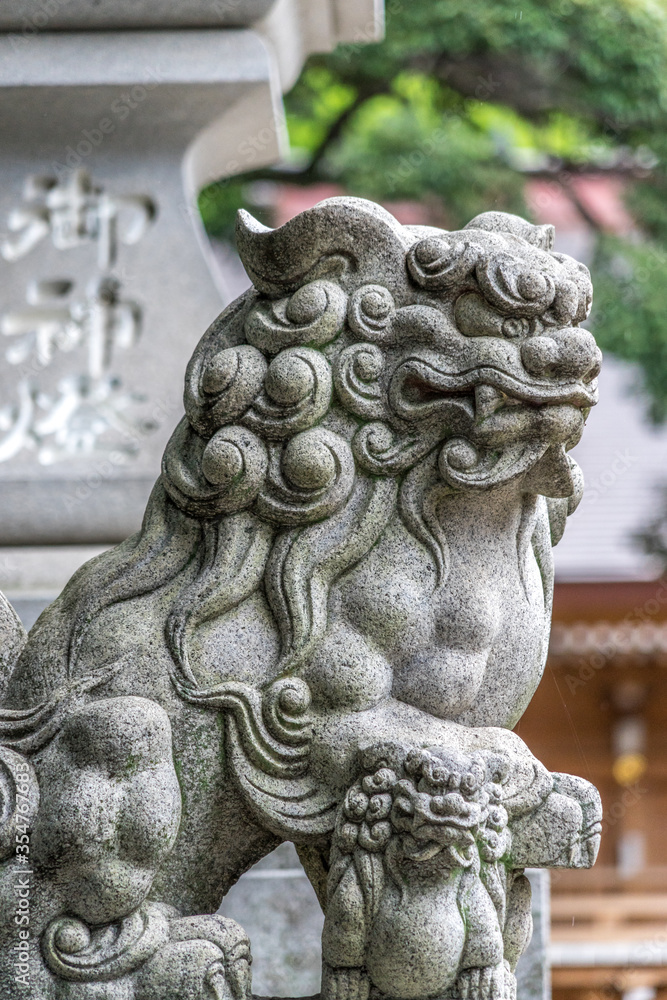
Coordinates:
(346, 236)
(357, 376)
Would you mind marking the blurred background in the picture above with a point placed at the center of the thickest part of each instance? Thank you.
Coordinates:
(556, 110)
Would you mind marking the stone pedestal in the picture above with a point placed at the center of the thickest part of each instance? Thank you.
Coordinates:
(108, 135)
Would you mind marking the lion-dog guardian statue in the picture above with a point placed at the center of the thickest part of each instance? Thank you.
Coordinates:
(337, 608)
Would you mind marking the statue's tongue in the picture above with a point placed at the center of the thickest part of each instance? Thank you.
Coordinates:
(462, 465)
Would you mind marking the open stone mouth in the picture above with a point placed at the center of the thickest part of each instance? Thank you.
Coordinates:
(481, 401)
(481, 390)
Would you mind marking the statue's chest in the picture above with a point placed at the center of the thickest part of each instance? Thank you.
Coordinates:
(491, 581)
(450, 645)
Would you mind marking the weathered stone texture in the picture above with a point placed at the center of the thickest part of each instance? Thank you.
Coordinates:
(336, 610)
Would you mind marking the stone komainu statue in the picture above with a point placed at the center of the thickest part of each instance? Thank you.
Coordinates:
(337, 608)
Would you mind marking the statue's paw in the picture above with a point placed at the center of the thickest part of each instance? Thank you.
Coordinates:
(510, 982)
(486, 983)
(206, 958)
(585, 849)
(563, 831)
(344, 983)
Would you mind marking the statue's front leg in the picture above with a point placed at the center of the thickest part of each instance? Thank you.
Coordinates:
(564, 830)
(484, 975)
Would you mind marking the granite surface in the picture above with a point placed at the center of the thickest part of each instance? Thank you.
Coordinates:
(57, 15)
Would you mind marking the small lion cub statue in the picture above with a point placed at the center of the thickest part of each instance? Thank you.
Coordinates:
(419, 901)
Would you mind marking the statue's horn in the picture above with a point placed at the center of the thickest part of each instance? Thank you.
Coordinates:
(352, 237)
(504, 222)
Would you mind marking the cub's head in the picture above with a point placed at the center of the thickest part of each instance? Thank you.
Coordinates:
(426, 805)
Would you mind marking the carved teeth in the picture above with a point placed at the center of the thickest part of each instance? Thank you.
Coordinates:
(487, 400)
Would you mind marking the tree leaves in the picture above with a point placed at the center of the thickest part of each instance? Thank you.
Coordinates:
(463, 97)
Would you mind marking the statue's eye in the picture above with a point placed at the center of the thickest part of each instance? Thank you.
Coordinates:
(404, 806)
(469, 784)
(515, 327)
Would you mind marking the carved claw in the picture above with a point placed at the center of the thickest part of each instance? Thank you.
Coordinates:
(205, 957)
(487, 983)
(344, 984)
(584, 851)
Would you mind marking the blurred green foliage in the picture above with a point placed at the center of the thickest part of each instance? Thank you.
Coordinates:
(463, 97)
(631, 298)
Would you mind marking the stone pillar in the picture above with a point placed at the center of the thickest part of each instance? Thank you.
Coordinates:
(533, 973)
(113, 117)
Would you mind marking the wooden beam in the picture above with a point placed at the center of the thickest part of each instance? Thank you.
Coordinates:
(602, 976)
(609, 907)
(580, 933)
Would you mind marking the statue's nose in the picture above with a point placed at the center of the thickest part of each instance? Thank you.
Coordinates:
(568, 353)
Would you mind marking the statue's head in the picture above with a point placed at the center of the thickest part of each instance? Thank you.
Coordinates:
(366, 346)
